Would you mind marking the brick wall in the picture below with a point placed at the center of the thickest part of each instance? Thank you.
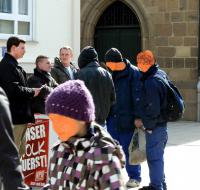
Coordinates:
(175, 43)
(174, 40)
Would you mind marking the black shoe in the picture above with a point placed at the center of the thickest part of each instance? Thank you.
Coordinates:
(147, 188)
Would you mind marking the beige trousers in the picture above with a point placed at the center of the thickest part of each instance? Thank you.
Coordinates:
(19, 135)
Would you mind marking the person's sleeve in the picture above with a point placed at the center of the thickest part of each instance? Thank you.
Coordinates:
(109, 176)
(14, 89)
(55, 75)
(113, 94)
(152, 104)
(45, 91)
(54, 83)
(10, 168)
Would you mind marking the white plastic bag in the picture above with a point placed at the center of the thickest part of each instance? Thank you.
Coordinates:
(137, 147)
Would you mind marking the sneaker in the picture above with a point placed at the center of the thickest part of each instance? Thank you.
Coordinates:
(146, 188)
(133, 183)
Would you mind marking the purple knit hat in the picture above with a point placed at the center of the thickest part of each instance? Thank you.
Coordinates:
(71, 99)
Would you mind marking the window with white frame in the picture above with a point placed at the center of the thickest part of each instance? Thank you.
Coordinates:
(16, 18)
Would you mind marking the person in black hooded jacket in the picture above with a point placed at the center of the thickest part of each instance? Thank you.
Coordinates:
(98, 81)
(41, 78)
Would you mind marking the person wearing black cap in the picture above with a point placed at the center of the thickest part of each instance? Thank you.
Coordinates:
(120, 123)
(98, 81)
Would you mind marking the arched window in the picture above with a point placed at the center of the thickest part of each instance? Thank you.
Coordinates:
(118, 14)
(118, 26)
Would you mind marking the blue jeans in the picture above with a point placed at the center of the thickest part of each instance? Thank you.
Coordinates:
(155, 146)
(134, 171)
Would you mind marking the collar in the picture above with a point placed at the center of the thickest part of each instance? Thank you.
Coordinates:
(12, 60)
(120, 74)
(96, 137)
(57, 63)
(152, 70)
(79, 143)
(42, 74)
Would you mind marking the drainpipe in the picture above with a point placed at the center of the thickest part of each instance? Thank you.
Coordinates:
(198, 84)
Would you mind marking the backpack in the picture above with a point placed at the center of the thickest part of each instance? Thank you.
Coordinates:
(175, 107)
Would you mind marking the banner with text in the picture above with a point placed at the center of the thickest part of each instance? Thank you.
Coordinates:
(35, 160)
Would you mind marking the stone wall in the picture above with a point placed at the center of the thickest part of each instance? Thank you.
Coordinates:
(172, 34)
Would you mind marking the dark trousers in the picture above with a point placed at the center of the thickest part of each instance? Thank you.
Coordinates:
(155, 146)
(134, 171)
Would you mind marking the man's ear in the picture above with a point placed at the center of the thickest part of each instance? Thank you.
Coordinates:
(13, 48)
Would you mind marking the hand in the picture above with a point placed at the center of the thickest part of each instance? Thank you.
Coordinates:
(138, 123)
(37, 91)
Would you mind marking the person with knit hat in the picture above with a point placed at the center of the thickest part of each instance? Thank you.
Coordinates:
(86, 156)
(153, 102)
(120, 122)
(99, 82)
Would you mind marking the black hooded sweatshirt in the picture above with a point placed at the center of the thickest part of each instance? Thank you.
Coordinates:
(98, 81)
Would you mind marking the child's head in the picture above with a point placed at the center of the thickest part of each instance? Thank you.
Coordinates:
(70, 106)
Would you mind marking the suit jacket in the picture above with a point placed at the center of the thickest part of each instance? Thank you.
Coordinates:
(14, 82)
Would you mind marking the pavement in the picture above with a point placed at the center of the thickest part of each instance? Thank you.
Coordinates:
(182, 157)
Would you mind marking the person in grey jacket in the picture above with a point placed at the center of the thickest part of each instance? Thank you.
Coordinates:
(63, 69)
(10, 168)
(98, 81)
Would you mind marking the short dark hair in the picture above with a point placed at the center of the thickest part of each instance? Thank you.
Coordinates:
(13, 41)
(40, 58)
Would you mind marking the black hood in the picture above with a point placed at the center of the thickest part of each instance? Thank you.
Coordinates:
(87, 55)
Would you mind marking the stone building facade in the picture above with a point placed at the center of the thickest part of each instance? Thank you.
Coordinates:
(169, 28)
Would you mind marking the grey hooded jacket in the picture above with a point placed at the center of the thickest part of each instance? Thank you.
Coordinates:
(59, 72)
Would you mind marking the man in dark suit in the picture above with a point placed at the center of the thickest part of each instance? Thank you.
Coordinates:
(14, 82)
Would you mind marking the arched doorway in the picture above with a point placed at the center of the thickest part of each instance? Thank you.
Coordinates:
(118, 27)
